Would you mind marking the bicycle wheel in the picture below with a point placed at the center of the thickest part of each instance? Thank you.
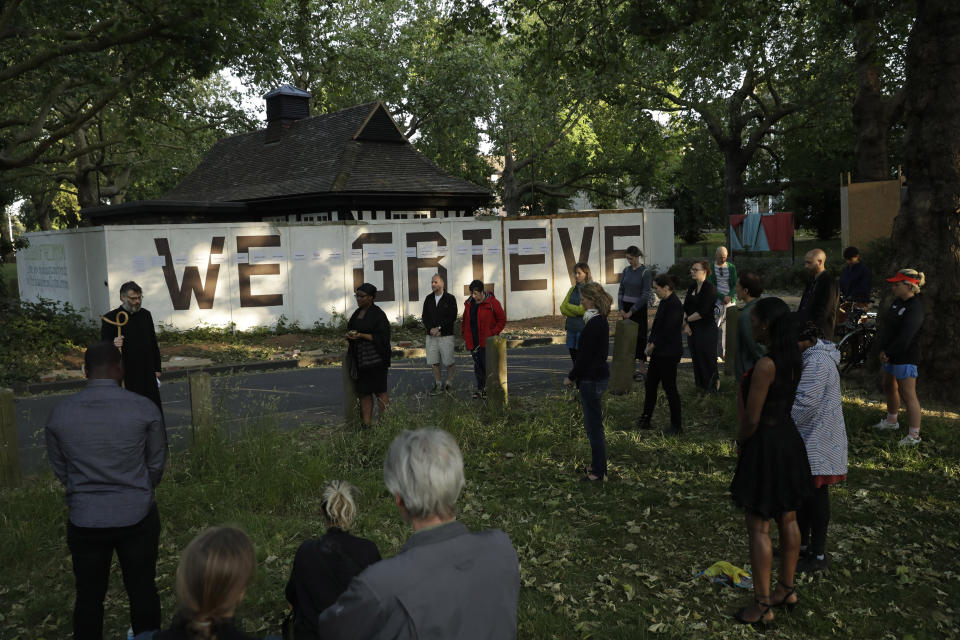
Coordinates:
(851, 351)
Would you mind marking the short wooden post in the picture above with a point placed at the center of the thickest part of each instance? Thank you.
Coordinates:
(729, 362)
(201, 403)
(9, 455)
(351, 403)
(624, 355)
(496, 385)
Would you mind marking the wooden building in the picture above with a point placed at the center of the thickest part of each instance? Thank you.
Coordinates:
(353, 164)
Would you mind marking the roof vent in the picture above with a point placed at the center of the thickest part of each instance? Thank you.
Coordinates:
(285, 105)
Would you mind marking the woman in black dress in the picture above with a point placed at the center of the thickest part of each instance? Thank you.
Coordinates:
(369, 350)
(664, 347)
(700, 327)
(322, 569)
(773, 473)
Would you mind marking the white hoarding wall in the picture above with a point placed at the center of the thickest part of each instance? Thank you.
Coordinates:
(252, 274)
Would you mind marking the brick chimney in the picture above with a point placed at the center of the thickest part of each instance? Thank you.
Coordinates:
(285, 104)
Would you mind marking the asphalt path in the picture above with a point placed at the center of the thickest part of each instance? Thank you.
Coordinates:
(300, 396)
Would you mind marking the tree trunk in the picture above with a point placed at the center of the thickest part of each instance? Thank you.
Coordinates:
(511, 195)
(873, 113)
(926, 233)
(733, 169)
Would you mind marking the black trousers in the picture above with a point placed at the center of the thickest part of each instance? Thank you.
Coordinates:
(662, 370)
(92, 550)
(812, 519)
(640, 317)
(480, 367)
(703, 352)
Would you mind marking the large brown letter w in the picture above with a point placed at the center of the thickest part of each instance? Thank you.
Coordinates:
(180, 295)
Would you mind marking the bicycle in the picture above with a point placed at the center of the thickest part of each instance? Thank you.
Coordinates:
(860, 332)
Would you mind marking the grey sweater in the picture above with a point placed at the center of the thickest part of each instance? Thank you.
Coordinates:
(635, 287)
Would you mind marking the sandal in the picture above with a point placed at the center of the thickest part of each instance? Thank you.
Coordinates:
(784, 602)
(761, 622)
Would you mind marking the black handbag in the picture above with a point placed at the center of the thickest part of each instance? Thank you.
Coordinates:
(367, 355)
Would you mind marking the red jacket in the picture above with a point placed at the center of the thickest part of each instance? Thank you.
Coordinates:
(490, 320)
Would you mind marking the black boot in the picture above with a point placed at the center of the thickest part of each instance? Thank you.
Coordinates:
(644, 423)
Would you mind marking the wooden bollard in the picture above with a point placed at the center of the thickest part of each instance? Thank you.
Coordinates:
(624, 355)
(730, 361)
(496, 385)
(201, 403)
(351, 404)
(9, 455)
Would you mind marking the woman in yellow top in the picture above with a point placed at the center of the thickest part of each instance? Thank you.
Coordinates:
(572, 307)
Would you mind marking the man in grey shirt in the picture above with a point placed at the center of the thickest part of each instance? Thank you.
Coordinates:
(446, 582)
(108, 447)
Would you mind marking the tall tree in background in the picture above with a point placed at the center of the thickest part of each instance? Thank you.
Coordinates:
(926, 233)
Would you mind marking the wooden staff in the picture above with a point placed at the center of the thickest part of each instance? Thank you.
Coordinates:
(119, 323)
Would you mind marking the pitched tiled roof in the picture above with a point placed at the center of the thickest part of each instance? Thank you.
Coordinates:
(353, 150)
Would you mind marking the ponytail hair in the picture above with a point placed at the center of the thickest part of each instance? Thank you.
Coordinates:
(212, 578)
(782, 330)
(338, 507)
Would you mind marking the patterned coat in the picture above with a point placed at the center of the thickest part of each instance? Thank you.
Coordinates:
(818, 410)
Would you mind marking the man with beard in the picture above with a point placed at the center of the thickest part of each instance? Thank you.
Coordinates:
(137, 340)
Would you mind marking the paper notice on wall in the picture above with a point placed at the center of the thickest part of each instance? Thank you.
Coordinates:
(493, 249)
(158, 261)
(333, 255)
(259, 258)
(543, 247)
(278, 256)
(299, 256)
(218, 258)
(410, 252)
(513, 249)
(442, 250)
(241, 258)
(527, 249)
(371, 252)
(356, 254)
(426, 251)
(179, 260)
(463, 249)
(476, 249)
(139, 264)
(388, 252)
(198, 259)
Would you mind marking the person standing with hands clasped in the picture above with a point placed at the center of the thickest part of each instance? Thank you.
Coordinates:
(483, 317)
(591, 374)
(439, 316)
(368, 339)
(700, 328)
(665, 348)
(724, 278)
(900, 353)
(634, 298)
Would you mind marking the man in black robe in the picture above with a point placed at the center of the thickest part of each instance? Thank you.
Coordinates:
(137, 341)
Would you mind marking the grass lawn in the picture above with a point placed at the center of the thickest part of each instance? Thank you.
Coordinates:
(614, 561)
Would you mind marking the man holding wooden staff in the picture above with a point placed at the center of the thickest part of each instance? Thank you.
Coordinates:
(130, 328)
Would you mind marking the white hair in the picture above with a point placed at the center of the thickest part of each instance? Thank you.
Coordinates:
(425, 468)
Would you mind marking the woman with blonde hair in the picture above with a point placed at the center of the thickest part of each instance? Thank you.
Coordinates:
(212, 579)
(900, 353)
(323, 568)
(591, 374)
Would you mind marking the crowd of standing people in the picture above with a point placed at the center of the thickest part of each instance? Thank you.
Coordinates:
(791, 440)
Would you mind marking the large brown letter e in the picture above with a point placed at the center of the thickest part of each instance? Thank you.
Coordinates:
(609, 255)
(244, 271)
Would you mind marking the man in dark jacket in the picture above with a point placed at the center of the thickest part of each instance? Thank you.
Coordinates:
(821, 295)
(439, 315)
(446, 582)
(130, 328)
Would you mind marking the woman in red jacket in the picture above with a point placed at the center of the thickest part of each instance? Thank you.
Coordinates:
(482, 317)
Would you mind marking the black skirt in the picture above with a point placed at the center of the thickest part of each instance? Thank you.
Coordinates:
(371, 380)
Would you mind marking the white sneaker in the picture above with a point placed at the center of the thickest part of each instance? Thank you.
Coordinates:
(883, 425)
(910, 441)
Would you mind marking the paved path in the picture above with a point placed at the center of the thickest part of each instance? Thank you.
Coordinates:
(300, 396)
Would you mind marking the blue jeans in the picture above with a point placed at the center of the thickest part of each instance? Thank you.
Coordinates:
(591, 393)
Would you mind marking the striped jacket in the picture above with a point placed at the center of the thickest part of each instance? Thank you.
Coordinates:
(818, 411)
